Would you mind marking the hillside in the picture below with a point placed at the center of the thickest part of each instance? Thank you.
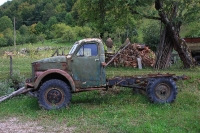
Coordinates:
(66, 21)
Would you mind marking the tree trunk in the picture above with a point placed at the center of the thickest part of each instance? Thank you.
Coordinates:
(163, 54)
(172, 39)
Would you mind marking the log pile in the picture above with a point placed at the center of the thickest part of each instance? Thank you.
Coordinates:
(128, 56)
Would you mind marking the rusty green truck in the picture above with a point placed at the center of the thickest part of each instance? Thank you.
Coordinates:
(54, 79)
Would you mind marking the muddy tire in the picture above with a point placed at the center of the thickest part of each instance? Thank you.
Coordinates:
(54, 94)
(162, 90)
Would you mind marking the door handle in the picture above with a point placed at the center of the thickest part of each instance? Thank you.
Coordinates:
(96, 59)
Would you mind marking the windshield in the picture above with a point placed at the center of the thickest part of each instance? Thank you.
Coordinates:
(73, 48)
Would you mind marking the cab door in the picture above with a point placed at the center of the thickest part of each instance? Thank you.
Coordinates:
(86, 66)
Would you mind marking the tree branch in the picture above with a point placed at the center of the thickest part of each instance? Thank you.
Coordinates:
(145, 16)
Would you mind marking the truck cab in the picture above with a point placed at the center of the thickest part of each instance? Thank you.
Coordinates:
(81, 68)
(85, 62)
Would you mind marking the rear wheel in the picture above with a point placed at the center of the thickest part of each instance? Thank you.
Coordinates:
(54, 94)
(162, 90)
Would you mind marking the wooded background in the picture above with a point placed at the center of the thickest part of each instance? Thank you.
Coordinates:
(141, 21)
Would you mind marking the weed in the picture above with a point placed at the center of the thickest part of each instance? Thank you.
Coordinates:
(5, 88)
(16, 80)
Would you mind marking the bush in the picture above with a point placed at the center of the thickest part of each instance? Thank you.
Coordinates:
(87, 32)
(5, 88)
(16, 80)
(69, 35)
(13, 83)
(3, 41)
(151, 35)
(32, 38)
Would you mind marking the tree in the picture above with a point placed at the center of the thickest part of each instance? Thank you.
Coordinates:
(39, 28)
(3, 40)
(41, 37)
(102, 14)
(172, 16)
(52, 20)
(48, 12)
(151, 35)
(26, 12)
(8, 34)
(23, 30)
(68, 19)
(5, 23)
(59, 29)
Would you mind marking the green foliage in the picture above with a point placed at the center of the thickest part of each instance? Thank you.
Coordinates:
(52, 20)
(49, 11)
(79, 31)
(14, 82)
(32, 38)
(24, 30)
(68, 19)
(41, 38)
(3, 41)
(8, 35)
(194, 32)
(39, 28)
(69, 36)
(59, 29)
(86, 32)
(6, 88)
(151, 35)
(5, 23)
(103, 14)
(93, 17)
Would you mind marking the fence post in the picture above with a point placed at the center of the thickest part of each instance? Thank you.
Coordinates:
(11, 64)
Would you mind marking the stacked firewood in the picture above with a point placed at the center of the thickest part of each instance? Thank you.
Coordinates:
(128, 56)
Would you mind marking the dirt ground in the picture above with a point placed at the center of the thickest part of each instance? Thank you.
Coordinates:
(14, 125)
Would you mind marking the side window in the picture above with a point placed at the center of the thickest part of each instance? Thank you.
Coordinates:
(88, 50)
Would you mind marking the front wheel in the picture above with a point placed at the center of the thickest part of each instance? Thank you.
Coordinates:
(162, 90)
(54, 94)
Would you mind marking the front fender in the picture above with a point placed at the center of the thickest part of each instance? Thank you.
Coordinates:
(58, 71)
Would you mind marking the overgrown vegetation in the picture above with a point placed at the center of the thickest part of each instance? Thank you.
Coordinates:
(151, 36)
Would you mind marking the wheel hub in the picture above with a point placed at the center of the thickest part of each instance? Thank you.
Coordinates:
(162, 91)
(54, 96)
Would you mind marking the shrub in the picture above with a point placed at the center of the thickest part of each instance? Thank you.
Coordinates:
(16, 80)
(5, 88)
(151, 35)
(3, 41)
(13, 83)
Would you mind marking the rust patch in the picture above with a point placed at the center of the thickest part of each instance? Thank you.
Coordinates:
(65, 74)
(64, 66)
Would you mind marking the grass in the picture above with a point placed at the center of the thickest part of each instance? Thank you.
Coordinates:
(113, 111)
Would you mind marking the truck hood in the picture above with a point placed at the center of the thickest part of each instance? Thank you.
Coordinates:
(56, 62)
(56, 59)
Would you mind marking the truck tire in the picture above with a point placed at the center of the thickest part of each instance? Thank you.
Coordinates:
(54, 94)
(197, 59)
(161, 90)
